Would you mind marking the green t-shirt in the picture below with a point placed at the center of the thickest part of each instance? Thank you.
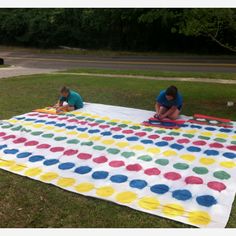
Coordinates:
(74, 99)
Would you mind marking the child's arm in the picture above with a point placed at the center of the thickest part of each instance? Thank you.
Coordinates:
(170, 111)
(157, 107)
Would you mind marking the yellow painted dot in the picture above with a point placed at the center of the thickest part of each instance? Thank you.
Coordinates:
(105, 118)
(108, 141)
(190, 131)
(84, 187)
(122, 144)
(33, 172)
(6, 163)
(126, 197)
(49, 176)
(30, 124)
(59, 130)
(187, 157)
(222, 135)
(105, 191)
(114, 120)
(95, 138)
(72, 133)
(169, 153)
(83, 135)
(126, 122)
(149, 203)
(207, 161)
(233, 137)
(199, 218)
(47, 127)
(13, 121)
(66, 182)
(153, 150)
(173, 210)
(137, 147)
(228, 164)
(206, 133)
(37, 125)
(18, 167)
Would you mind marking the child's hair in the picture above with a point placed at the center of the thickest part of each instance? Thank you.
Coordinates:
(172, 91)
(64, 89)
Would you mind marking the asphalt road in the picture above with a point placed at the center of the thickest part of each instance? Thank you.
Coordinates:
(162, 63)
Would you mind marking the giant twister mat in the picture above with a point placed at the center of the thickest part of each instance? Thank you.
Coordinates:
(187, 173)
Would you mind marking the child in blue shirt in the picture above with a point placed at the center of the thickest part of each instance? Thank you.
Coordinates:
(168, 103)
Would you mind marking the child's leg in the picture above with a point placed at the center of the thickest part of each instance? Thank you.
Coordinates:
(174, 115)
(162, 110)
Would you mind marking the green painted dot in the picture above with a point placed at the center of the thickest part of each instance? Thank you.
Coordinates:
(16, 128)
(122, 125)
(148, 129)
(200, 170)
(73, 141)
(111, 123)
(221, 175)
(221, 140)
(160, 131)
(128, 154)
(233, 142)
(26, 130)
(90, 143)
(36, 133)
(145, 158)
(90, 119)
(135, 127)
(99, 147)
(162, 162)
(181, 166)
(47, 135)
(60, 138)
(100, 121)
(80, 117)
(113, 150)
(188, 135)
(7, 126)
(174, 133)
(204, 137)
(69, 114)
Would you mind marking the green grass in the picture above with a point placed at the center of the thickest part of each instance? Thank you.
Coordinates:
(29, 203)
(155, 73)
(3, 66)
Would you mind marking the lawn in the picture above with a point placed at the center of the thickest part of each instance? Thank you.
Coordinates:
(29, 203)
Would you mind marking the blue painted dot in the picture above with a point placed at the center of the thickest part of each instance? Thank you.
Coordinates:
(146, 141)
(50, 123)
(211, 152)
(210, 128)
(66, 166)
(138, 183)
(3, 146)
(160, 188)
(71, 127)
(119, 178)
(161, 144)
(184, 125)
(133, 138)
(225, 130)
(83, 170)
(106, 133)
(100, 174)
(20, 118)
(196, 126)
(93, 131)
(36, 158)
(31, 119)
(182, 194)
(229, 155)
(193, 149)
(176, 146)
(82, 129)
(50, 162)
(118, 136)
(60, 125)
(40, 121)
(23, 154)
(206, 200)
(11, 151)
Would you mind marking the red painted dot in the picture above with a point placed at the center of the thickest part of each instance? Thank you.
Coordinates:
(33, 114)
(9, 137)
(43, 146)
(216, 145)
(193, 180)
(84, 156)
(93, 124)
(70, 152)
(116, 128)
(172, 175)
(31, 143)
(218, 186)
(83, 122)
(72, 120)
(44, 115)
(62, 118)
(2, 134)
(183, 140)
(127, 131)
(199, 143)
(167, 138)
(232, 147)
(53, 117)
(116, 163)
(134, 167)
(57, 149)
(152, 171)
(100, 160)
(19, 140)
(153, 136)
(104, 126)
(140, 134)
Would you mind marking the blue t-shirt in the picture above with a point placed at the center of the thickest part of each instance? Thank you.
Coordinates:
(74, 99)
(178, 102)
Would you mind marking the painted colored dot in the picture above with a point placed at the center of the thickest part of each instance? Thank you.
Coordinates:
(193, 180)
(100, 175)
(113, 150)
(149, 203)
(168, 138)
(138, 183)
(229, 155)
(200, 170)
(70, 152)
(183, 141)
(36, 158)
(199, 143)
(127, 131)
(36, 133)
(60, 138)
(199, 218)
(216, 145)
(87, 143)
(105, 191)
(207, 161)
(66, 166)
(228, 164)
(134, 167)
(146, 141)
(218, 186)
(145, 158)
(221, 175)
(47, 135)
(84, 156)
(193, 149)
(66, 182)
(181, 166)
(187, 157)
(116, 163)
(99, 147)
(19, 140)
(83, 170)
(57, 149)
(2, 134)
(126, 197)
(49, 176)
(23, 154)
(33, 172)
(118, 136)
(188, 135)
(172, 176)
(173, 210)
(133, 138)
(220, 140)
(119, 178)
(153, 136)
(152, 171)
(159, 188)
(128, 154)
(72, 141)
(50, 162)
(169, 153)
(138, 147)
(43, 146)
(211, 152)
(101, 159)
(161, 144)
(182, 194)
(162, 162)
(206, 200)
(153, 150)
(176, 146)
(11, 151)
